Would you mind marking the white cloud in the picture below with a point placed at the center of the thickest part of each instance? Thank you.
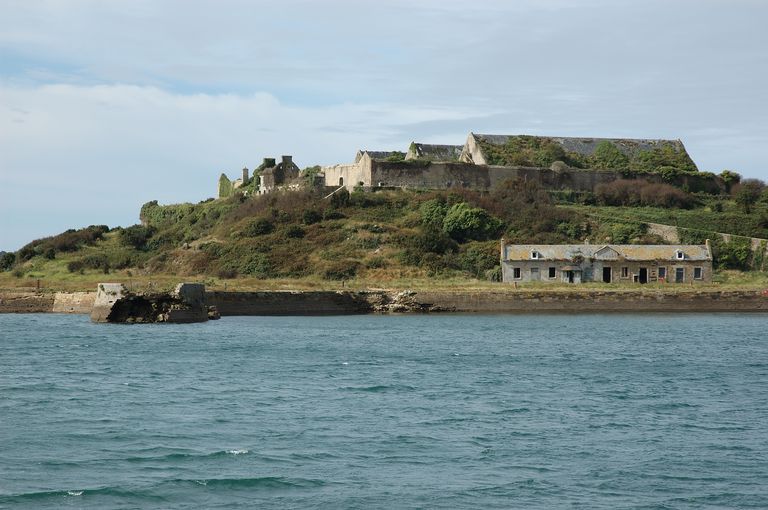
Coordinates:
(104, 105)
(94, 154)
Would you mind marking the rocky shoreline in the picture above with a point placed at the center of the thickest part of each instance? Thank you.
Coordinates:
(409, 301)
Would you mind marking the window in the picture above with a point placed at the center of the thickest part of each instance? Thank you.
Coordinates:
(625, 272)
(679, 255)
(552, 272)
(698, 274)
(535, 255)
(516, 273)
(662, 273)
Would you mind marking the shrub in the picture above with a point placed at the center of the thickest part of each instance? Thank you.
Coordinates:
(464, 223)
(747, 193)
(433, 212)
(608, 157)
(733, 255)
(258, 265)
(477, 258)
(311, 216)
(7, 260)
(259, 227)
(136, 236)
(638, 192)
(295, 232)
(341, 270)
(340, 198)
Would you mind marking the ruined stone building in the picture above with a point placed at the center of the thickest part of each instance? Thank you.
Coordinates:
(573, 163)
(609, 263)
(267, 177)
(282, 175)
(555, 163)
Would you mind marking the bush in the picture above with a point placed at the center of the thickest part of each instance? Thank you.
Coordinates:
(608, 157)
(478, 258)
(340, 198)
(136, 236)
(259, 227)
(294, 232)
(733, 255)
(7, 260)
(311, 216)
(433, 212)
(464, 223)
(638, 192)
(342, 270)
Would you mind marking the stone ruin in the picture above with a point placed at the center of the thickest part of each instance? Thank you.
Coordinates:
(186, 304)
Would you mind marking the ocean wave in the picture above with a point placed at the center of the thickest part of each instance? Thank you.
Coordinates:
(262, 482)
(379, 388)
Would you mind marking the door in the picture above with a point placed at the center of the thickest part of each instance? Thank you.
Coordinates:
(606, 275)
(535, 276)
(643, 275)
(679, 274)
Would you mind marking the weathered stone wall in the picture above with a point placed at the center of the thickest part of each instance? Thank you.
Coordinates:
(506, 300)
(429, 175)
(347, 175)
(288, 303)
(73, 302)
(25, 302)
(525, 301)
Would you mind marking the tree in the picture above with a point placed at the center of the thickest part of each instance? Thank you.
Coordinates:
(730, 178)
(464, 223)
(748, 193)
(7, 260)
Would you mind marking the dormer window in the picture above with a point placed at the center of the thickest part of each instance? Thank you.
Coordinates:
(535, 255)
(679, 255)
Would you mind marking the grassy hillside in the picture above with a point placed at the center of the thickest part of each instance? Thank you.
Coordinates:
(301, 239)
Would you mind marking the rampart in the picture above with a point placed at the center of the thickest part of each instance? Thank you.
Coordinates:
(503, 300)
(423, 174)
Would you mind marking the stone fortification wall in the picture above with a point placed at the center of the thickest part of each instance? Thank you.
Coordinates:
(288, 303)
(73, 302)
(488, 301)
(501, 301)
(528, 301)
(429, 175)
(347, 175)
(444, 175)
(25, 302)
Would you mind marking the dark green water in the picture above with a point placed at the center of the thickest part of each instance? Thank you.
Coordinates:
(454, 411)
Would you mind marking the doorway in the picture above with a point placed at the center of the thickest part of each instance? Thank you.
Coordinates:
(643, 275)
(606, 275)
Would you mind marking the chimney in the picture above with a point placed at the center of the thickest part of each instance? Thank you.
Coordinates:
(268, 163)
(287, 161)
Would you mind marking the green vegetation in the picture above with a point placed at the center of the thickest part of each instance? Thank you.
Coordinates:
(308, 240)
(538, 151)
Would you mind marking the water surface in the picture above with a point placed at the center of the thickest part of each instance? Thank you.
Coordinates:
(452, 411)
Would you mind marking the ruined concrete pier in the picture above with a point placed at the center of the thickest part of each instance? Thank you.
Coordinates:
(187, 303)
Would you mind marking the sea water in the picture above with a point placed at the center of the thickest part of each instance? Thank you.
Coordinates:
(433, 411)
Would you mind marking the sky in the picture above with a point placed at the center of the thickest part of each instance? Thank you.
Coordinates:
(108, 104)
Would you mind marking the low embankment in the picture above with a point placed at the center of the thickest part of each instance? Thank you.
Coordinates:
(463, 301)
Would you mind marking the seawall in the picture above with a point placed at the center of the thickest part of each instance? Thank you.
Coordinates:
(461, 301)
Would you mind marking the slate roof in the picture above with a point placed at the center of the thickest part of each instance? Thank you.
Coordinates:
(586, 146)
(631, 252)
(373, 154)
(436, 152)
